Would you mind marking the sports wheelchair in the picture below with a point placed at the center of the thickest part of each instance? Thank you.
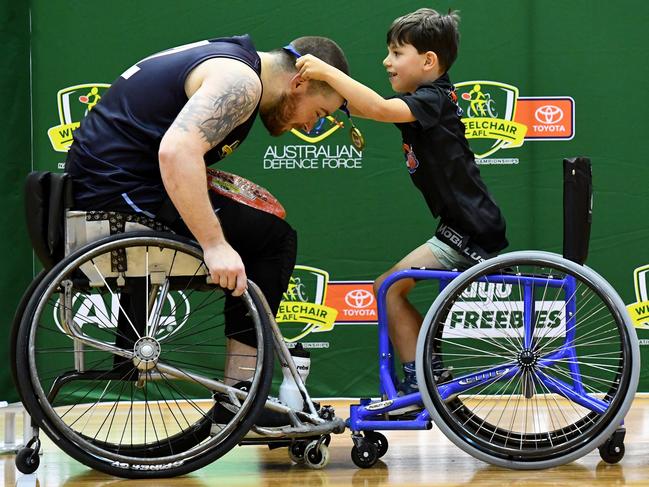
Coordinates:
(527, 360)
(119, 353)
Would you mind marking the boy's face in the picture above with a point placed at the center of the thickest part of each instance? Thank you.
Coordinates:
(406, 67)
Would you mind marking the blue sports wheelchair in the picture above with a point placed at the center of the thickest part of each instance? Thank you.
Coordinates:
(527, 360)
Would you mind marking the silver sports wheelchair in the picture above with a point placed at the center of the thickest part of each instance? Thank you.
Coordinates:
(120, 355)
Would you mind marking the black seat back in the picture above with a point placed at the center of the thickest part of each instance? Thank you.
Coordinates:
(47, 196)
(577, 208)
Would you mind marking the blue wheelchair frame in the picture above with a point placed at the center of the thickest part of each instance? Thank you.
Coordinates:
(370, 415)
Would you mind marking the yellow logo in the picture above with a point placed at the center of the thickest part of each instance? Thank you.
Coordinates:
(639, 310)
(489, 108)
(302, 310)
(322, 129)
(74, 103)
(226, 150)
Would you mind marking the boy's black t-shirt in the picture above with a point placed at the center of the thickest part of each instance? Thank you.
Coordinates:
(443, 167)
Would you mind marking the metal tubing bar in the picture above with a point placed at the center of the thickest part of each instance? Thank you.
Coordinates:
(559, 387)
(528, 315)
(483, 377)
(392, 425)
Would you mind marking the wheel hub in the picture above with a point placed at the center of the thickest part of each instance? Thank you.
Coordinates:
(147, 352)
(527, 359)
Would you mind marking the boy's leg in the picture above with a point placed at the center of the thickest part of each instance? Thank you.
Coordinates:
(404, 321)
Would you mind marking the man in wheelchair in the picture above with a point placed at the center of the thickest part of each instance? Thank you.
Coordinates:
(143, 149)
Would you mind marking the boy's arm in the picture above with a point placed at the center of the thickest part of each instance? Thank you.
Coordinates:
(365, 102)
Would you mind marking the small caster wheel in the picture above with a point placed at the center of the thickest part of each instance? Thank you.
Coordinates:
(379, 440)
(365, 454)
(27, 460)
(611, 452)
(296, 451)
(316, 456)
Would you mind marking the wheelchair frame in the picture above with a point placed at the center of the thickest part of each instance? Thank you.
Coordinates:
(372, 415)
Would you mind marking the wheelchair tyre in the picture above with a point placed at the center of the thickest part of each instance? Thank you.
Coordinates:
(535, 401)
(15, 325)
(130, 401)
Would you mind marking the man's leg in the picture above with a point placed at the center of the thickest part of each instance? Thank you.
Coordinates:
(268, 248)
(240, 361)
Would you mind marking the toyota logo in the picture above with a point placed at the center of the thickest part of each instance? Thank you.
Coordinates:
(548, 114)
(359, 298)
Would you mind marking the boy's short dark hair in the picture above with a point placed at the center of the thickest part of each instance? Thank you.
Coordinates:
(320, 47)
(427, 30)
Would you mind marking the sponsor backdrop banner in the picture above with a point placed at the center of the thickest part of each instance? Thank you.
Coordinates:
(537, 81)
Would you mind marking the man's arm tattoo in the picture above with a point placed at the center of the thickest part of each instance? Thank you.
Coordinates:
(215, 116)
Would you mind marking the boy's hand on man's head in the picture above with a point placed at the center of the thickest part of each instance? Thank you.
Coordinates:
(310, 67)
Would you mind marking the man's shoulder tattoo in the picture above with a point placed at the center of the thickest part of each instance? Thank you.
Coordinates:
(215, 116)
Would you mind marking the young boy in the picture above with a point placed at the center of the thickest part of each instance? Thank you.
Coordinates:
(422, 47)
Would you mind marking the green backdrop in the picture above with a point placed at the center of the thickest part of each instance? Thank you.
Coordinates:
(356, 214)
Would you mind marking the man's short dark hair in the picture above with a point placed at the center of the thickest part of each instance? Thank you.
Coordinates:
(322, 48)
(427, 30)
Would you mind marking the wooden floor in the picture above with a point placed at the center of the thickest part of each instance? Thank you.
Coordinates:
(414, 458)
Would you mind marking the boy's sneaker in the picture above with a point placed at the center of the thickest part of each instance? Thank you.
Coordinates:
(408, 386)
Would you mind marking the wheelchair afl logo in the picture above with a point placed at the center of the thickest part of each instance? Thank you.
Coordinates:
(302, 310)
(639, 310)
(103, 312)
(74, 103)
(490, 108)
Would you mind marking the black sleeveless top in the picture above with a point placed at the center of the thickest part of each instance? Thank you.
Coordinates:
(113, 160)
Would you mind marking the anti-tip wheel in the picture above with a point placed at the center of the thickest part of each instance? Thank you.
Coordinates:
(316, 457)
(296, 451)
(379, 440)
(27, 460)
(365, 454)
(611, 452)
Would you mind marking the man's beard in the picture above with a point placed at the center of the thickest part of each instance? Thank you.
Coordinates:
(276, 117)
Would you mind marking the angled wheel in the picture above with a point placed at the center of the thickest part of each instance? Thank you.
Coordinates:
(27, 460)
(543, 358)
(316, 456)
(379, 440)
(121, 355)
(365, 454)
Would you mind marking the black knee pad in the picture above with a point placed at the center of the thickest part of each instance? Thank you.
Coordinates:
(238, 325)
(271, 272)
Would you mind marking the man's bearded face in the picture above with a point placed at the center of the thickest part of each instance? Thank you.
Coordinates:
(278, 118)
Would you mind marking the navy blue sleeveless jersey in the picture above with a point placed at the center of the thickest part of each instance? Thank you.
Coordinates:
(113, 160)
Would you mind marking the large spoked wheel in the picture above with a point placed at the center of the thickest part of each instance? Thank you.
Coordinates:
(121, 357)
(528, 360)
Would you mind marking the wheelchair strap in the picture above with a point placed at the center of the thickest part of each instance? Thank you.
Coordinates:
(461, 242)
